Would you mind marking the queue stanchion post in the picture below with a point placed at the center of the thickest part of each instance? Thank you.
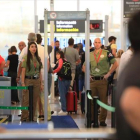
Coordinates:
(88, 110)
(113, 105)
(30, 88)
(95, 110)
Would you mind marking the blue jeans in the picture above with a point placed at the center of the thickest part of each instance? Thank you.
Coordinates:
(63, 86)
(49, 83)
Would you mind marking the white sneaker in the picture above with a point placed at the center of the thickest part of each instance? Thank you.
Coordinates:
(54, 114)
(62, 113)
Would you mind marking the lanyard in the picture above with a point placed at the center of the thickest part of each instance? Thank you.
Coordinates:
(97, 59)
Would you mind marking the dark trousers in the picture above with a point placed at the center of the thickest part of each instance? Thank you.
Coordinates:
(14, 93)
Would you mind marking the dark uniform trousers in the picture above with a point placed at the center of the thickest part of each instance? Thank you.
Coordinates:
(99, 88)
(25, 97)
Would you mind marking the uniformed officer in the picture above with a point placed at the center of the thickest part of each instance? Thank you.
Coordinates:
(99, 72)
(31, 75)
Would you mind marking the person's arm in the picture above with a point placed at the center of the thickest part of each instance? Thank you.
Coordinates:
(23, 76)
(114, 63)
(2, 65)
(41, 84)
(114, 49)
(77, 58)
(60, 64)
(83, 68)
(7, 64)
(48, 64)
(114, 52)
(130, 104)
(113, 68)
(19, 72)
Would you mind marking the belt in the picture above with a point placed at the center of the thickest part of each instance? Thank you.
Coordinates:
(31, 77)
(97, 77)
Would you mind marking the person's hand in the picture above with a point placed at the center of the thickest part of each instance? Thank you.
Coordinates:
(52, 44)
(41, 87)
(106, 76)
(23, 85)
(17, 80)
(91, 78)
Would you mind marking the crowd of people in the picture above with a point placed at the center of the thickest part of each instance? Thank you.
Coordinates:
(27, 68)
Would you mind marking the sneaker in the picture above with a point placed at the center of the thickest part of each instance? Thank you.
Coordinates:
(62, 113)
(103, 124)
(54, 113)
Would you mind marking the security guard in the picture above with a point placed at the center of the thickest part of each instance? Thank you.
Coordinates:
(31, 75)
(99, 72)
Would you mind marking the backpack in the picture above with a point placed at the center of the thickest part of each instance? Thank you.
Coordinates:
(65, 71)
(108, 48)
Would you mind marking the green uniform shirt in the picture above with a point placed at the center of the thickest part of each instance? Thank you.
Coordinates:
(106, 58)
(33, 70)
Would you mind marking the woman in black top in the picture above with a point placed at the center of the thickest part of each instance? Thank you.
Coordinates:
(12, 62)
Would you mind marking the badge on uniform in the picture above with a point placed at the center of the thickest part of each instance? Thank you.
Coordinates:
(97, 70)
(102, 56)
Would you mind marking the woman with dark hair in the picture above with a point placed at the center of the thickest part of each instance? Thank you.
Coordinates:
(63, 83)
(12, 62)
(31, 75)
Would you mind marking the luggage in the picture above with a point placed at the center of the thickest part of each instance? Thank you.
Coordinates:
(83, 102)
(76, 87)
(71, 102)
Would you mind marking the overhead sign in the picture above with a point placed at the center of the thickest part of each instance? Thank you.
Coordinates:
(131, 6)
(71, 15)
(74, 26)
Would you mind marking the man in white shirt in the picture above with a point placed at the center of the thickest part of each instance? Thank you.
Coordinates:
(21, 46)
(125, 58)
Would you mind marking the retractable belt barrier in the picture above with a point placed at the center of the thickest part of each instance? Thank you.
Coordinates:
(30, 108)
(97, 102)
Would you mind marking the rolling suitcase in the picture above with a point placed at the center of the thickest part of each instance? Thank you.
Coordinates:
(71, 102)
(83, 102)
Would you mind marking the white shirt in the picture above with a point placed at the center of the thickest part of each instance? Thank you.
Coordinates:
(40, 54)
(125, 58)
(23, 53)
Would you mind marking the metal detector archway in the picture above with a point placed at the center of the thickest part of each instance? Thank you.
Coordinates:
(66, 15)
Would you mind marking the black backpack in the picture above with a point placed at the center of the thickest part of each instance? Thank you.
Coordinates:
(108, 48)
(65, 71)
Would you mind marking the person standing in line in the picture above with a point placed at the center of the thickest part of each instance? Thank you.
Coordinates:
(128, 87)
(6, 69)
(63, 83)
(99, 72)
(125, 58)
(71, 56)
(2, 64)
(119, 54)
(12, 63)
(21, 45)
(41, 97)
(31, 75)
(31, 38)
(57, 48)
(112, 48)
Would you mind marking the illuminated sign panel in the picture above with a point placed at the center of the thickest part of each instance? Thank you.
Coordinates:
(131, 6)
(74, 26)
